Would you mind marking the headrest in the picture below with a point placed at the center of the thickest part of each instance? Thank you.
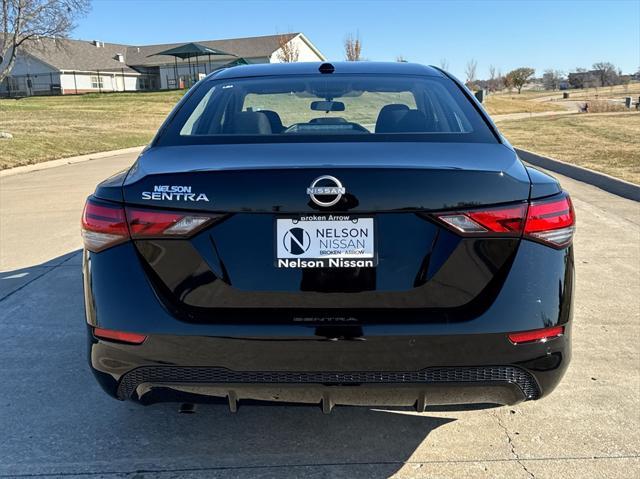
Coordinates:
(389, 116)
(250, 123)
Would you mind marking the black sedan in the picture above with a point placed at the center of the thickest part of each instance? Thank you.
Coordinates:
(349, 233)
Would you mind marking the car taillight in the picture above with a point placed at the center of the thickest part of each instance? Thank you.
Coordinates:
(105, 224)
(548, 221)
(551, 221)
(147, 223)
(495, 220)
(537, 335)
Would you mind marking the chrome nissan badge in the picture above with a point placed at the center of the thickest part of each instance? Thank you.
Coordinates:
(326, 190)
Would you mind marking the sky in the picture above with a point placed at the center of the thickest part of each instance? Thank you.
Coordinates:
(541, 34)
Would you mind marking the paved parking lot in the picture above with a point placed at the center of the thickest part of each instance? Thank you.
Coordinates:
(55, 421)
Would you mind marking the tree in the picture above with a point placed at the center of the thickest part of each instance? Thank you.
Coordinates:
(495, 81)
(470, 71)
(606, 73)
(352, 47)
(288, 51)
(520, 77)
(551, 79)
(23, 21)
(492, 72)
(507, 80)
(444, 64)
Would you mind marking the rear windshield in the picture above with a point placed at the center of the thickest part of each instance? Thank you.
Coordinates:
(327, 108)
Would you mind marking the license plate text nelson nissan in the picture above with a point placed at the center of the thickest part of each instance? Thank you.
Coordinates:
(329, 234)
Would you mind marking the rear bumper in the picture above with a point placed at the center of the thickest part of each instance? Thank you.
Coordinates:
(390, 362)
(390, 370)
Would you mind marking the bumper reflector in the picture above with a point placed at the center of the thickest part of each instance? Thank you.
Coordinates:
(121, 336)
(537, 335)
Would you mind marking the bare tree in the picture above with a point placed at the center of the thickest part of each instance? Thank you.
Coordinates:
(492, 72)
(353, 47)
(551, 79)
(444, 64)
(288, 51)
(470, 71)
(495, 82)
(23, 21)
(606, 73)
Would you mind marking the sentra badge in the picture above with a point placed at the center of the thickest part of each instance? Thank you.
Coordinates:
(173, 193)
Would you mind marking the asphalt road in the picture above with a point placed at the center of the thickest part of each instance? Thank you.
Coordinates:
(55, 421)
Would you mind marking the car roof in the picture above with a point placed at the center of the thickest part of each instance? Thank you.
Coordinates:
(310, 68)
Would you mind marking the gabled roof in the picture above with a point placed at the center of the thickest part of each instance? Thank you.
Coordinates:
(78, 55)
(249, 47)
(81, 55)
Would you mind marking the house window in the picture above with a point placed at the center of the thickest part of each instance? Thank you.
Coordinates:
(97, 82)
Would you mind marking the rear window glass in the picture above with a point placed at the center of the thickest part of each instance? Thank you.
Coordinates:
(327, 107)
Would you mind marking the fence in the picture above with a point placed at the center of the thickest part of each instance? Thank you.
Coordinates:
(70, 83)
(30, 85)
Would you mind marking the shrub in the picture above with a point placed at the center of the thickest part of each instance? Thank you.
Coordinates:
(603, 106)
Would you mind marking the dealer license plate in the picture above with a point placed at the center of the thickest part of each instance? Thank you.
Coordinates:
(325, 241)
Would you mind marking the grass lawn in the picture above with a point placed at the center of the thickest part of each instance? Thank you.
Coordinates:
(46, 128)
(616, 91)
(607, 92)
(605, 142)
(503, 104)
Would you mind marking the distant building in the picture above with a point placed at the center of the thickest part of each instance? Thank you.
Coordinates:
(584, 79)
(60, 66)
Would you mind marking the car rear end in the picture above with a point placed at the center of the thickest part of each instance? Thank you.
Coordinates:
(348, 251)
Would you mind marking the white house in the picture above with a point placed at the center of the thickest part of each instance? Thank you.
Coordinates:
(60, 66)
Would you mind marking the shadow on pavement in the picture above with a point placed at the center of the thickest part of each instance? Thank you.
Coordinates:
(57, 420)
(11, 281)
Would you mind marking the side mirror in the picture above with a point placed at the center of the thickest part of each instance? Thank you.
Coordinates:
(327, 106)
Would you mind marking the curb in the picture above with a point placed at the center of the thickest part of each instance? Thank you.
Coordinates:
(45, 165)
(603, 181)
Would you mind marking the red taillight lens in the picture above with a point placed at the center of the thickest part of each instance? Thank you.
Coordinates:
(103, 226)
(551, 221)
(121, 336)
(108, 224)
(538, 335)
(508, 220)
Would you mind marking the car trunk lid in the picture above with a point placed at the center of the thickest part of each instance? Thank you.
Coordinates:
(230, 268)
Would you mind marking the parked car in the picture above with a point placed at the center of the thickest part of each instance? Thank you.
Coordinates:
(350, 233)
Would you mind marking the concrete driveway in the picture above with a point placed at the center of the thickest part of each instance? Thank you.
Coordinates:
(55, 421)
